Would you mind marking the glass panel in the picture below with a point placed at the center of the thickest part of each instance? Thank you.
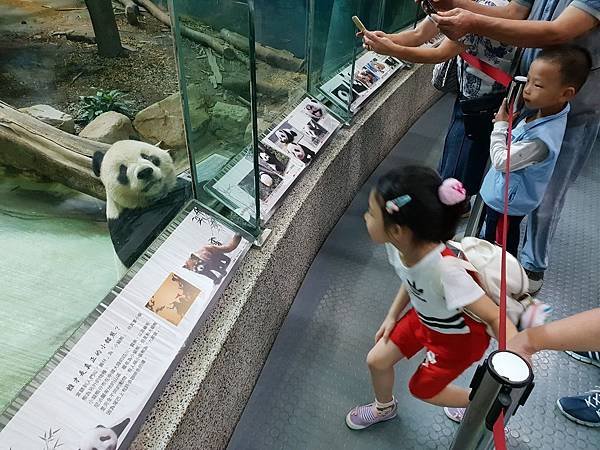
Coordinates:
(213, 39)
(58, 247)
(332, 47)
(399, 14)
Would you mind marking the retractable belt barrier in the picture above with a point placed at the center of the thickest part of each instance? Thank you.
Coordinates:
(503, 382)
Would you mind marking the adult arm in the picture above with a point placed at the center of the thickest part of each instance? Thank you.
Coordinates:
(572, 23)
(430, 55)
(522, 154)
(513, 10)
(577, 333)
(425, 31)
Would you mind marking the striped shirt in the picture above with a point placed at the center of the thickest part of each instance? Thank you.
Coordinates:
(439, 289)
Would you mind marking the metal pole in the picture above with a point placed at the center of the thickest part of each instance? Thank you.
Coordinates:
(502, 383)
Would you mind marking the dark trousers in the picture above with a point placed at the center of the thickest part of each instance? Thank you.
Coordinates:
(463, 158)
(494, 226)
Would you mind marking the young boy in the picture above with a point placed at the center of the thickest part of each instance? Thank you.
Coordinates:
(554, 78)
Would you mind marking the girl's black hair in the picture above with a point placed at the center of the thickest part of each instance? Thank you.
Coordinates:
(427, 217)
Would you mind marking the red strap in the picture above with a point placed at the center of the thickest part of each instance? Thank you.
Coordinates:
(494, 72)
(499, 438)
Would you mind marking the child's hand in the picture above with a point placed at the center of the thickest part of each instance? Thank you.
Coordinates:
(378, 42)
(502, 114)
(385, 329)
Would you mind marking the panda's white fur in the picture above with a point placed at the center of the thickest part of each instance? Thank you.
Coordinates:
(103, 438)
(135, 175)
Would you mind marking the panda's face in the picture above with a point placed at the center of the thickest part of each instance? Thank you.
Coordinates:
(99, 438)
(136, 174)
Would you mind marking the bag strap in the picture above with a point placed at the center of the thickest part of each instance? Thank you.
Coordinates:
(495, 73)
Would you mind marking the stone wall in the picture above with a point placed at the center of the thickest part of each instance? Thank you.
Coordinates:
(202, 402)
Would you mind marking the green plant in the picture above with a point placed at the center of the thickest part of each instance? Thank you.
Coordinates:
(91, 106)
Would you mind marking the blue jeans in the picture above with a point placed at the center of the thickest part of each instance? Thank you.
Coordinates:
(463, 158)
(578, 142)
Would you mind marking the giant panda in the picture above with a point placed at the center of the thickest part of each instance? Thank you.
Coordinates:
(143, 194)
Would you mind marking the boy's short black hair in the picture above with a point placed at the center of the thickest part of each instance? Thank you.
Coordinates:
(575, 63)
(426, 216)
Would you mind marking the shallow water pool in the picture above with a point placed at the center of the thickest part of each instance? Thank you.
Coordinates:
(57, 264)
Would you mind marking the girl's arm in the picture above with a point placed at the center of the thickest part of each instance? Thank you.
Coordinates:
(393, 315)
(489, 312)
(402, 299)
(384, 46)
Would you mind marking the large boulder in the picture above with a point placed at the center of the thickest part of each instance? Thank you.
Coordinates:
(162, 121)
(51, 116)
(229, 121)
(109, 128)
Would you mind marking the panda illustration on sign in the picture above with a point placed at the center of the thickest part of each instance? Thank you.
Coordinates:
(143, 194)
(103, 438)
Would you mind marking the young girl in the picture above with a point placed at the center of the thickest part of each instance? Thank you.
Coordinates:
(413, 210)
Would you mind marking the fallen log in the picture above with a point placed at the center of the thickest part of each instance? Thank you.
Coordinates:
(217, 45)
(276, 58)
(27, 143)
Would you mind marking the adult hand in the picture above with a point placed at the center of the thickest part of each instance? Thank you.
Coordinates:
(443, 5)
(385, 329)
(522, 345)
(378, 42)
(455, 23)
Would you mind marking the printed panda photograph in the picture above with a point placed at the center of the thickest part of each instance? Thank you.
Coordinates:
(366, 77)
(392, 62)
(343, 93)
(268, 182)
(211, 260)
(377, 67)
(314, 110)
(315, 132)
(102, 437)
(285, 134)
(143, 194)
(271, 159)
(173, 299)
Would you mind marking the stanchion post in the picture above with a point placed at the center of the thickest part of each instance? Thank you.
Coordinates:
(502, 383)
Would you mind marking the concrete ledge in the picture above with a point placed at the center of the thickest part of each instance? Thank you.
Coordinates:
(204, 399)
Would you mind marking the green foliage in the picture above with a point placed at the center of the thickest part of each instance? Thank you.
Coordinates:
(91, 106)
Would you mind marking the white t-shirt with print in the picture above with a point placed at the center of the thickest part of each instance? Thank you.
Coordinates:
(439, 288)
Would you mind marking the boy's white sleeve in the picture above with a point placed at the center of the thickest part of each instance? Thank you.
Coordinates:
(522, 154)
(460, 289)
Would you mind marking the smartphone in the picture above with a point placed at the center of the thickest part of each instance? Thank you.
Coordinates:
(515, 92)
(428, 7)
(359, 24)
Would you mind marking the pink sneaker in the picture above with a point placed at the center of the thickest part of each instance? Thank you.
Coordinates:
(361, 417)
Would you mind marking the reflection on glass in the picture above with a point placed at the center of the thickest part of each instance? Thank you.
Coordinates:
(213, 39)
(400, 14)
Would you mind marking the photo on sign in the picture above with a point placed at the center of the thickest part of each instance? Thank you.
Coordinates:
(378, 67)
(366, 77)
(173, 299)
(291, 140)
(213, 258)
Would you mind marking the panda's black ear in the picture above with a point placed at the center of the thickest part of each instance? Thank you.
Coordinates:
(97, 162)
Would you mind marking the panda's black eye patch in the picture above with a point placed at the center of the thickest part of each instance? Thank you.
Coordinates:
(153, 159)
(122, 178)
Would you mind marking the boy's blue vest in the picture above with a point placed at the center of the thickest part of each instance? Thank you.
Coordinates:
(528, 185)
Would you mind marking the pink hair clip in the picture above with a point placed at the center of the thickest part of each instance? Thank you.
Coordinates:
(451, 192)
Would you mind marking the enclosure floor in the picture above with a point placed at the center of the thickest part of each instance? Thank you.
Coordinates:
(316, 370)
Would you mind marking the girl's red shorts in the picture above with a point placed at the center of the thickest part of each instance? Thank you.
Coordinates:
(448, 355)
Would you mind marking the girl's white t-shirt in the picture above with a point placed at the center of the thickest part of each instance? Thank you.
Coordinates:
(439, 288)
